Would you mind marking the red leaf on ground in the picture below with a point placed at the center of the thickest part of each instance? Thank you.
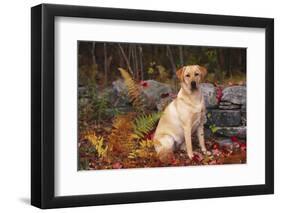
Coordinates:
(237, 144)
(216, 146)
(216, 152)
(175, 161)
(243, 147)
(226, 152)
(197, 157)
(213, 162)
(117, 165)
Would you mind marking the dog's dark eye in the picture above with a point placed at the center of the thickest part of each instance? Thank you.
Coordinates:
(188, 75)
(196, 74)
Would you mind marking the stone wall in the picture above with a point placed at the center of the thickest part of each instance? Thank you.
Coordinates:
(226, 110)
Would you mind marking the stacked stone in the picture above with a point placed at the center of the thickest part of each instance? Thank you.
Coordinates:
(228, 114)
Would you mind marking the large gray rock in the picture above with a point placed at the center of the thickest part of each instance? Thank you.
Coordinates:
(234, 94)
(222, 103)
(208, 134)
(228, 118)
(119, 95)
(155, 92)
(244, 115)
(161, 105)
(209, 93)
(230, 106)
(226, 143)
(240, 131)
(119, 86)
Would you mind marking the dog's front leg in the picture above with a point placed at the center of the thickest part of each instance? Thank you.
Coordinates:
(188, 142)
(200, 135)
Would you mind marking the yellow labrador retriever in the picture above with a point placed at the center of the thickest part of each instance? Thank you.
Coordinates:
(183, 116)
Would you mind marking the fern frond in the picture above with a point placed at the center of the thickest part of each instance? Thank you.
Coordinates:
(120, 140)
(144, 124)
(97, 142)
(134, 91)
(146, 144)
(145, 150)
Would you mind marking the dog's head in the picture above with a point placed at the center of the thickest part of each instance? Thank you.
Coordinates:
(190, 76)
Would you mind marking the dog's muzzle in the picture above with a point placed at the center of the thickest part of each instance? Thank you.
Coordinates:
(193, 85)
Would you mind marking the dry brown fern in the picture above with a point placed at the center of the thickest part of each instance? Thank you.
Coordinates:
(145, 150)
(120, 141)
(134, 91)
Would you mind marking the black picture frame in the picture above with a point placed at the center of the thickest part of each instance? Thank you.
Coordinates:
(43, 102)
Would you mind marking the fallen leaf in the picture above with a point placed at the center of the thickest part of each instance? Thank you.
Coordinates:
(117, 165)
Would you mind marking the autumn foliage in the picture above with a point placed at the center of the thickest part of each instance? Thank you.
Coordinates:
(126, 139)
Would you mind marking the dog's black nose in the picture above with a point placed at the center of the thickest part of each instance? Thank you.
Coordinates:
(193, 85)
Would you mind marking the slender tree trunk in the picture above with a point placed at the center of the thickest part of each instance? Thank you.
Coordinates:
(141, 62)
(126, 59)
(181, 55)
(129, 53)
(174, 68)
(244, 62)
(171, 58)
(93, 53)
(136, 63)
(134, 60)
(230, 63)
(105, 64)
(109, 61)
(222, 61)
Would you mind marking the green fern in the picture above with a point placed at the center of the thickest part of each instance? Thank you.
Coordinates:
(143, 124)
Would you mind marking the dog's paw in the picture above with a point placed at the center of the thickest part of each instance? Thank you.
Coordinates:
(190, 155)
(206, 152)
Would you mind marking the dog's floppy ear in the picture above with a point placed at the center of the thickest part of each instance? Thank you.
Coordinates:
(203, 71)
(180, 73)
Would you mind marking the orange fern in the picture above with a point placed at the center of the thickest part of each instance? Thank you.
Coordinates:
(134, 91)
(121, 142)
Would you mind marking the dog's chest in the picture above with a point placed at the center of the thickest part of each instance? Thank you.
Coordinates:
(196, 120)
